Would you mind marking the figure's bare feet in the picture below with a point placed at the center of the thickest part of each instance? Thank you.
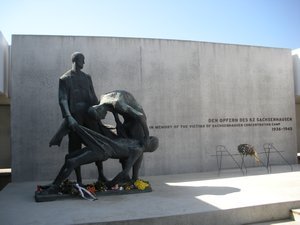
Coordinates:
(109, 184)
(52, 189)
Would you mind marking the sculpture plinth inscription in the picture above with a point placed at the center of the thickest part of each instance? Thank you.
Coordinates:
(274, 123)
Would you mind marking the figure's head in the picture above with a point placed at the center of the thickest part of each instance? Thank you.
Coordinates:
(97, 112)
(78, 59)
(153, 144)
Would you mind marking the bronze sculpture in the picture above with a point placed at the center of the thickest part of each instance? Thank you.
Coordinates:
(128, 146)
(76, 95)
(100, 148)
(135, 127)
(82, 122)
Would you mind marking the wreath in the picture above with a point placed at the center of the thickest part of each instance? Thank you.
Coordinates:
(246, 149)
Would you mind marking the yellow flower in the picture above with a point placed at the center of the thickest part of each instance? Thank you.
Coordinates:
(141, 185)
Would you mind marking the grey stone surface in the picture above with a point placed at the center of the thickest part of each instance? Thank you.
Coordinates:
(199, 198)
(182, 86)
(296, 67)
(4, 66)
(298, 123)
(5, 152)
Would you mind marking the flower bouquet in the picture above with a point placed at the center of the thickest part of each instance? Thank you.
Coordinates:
(90, 191)
(246, 149)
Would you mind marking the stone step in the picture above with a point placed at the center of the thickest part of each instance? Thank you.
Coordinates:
(278, 222)
(189, 199)
(295, 219)
(289, 222)
(5, 177)
(295, 214)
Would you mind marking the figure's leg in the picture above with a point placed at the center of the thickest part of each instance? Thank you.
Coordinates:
(135, 129)
(75, 145)
(93, 125)
(101, 176)
(72, 160)
(134, 155)
(76, 159)
(136, 167)
(61, 175)
(123, 162)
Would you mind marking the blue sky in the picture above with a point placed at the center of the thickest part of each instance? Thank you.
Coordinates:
(272, 23)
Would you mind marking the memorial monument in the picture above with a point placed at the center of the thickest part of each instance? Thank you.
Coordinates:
(82, 123)
(197, 95)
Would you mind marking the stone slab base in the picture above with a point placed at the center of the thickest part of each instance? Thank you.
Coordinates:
(53, 197)
(199, 198)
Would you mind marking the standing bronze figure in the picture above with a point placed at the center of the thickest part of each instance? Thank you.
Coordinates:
(76, 95)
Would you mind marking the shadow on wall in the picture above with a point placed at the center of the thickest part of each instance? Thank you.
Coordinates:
(5, 153)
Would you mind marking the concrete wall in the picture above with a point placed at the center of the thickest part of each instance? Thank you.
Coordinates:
(296, 66)
(4, 65)
(5, 153)
(196, 96)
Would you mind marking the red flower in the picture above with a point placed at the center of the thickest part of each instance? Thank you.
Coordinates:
(91, 189)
